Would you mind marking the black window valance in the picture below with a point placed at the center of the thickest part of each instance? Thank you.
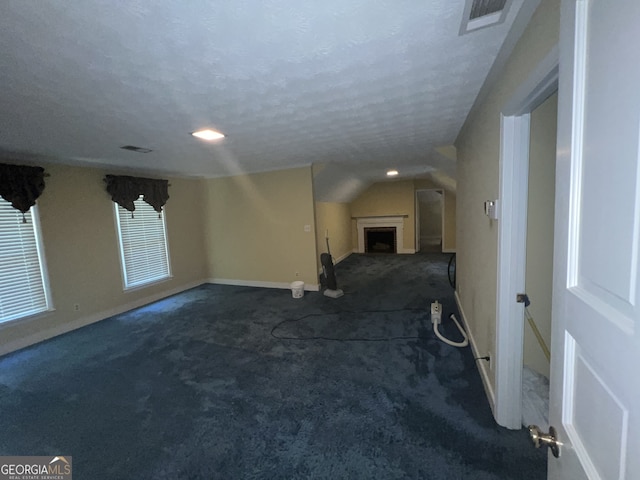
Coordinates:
(125, 190)
(21, 185)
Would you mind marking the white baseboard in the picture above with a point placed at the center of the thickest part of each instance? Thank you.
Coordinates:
(336, 261)
(482, 365)
(48, 333)
(400, 251)
(341, 258)
(253, 283)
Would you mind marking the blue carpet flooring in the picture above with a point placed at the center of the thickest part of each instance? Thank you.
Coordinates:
(199, 386)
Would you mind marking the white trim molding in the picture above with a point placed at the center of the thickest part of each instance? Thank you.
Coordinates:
(512, 236)
(483, 366)
(310, 287)
(375, 222)
(48, 333)
(341, 258)
(336, 261)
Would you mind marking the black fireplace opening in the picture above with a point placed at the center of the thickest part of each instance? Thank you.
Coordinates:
(380, 240)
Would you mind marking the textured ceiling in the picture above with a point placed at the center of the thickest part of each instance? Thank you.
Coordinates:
(364, 85)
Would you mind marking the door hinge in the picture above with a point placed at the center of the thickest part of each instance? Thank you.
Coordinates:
(523, 298)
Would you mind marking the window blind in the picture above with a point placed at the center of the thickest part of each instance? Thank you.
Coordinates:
(23, 288)
(143, 244)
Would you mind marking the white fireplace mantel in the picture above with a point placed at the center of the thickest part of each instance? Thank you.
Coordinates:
(396, 221)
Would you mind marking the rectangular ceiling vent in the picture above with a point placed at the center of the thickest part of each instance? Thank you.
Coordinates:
(481, 8)
(483, 13)
(136, 149)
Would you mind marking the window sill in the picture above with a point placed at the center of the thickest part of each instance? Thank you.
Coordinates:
(148, 284)
(26, 319)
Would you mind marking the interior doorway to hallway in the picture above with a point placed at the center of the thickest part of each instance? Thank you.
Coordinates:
(539, 263)
(511, 323)
(429, 220)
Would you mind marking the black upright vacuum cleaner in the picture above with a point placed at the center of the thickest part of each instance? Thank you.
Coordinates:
(329, 274)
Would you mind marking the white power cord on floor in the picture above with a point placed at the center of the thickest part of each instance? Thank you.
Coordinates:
(436, 319)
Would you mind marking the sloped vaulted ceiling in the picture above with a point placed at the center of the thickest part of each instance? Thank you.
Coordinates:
(362, 84)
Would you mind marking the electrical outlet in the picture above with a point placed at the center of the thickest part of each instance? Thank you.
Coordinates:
(436, 312)
(76, 306)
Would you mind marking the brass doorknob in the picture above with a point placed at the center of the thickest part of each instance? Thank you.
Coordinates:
(549, 439)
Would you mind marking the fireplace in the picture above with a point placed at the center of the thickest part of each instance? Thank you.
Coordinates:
(380, 240)
(386, 230)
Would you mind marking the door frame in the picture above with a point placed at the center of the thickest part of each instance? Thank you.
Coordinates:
(417, 215)
(512, 234)
(417, 220)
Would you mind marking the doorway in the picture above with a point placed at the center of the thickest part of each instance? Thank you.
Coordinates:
(429, 220)
(512, 237)
(539, 263)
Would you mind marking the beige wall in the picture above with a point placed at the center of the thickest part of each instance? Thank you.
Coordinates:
(425, 184)
(449, 231)
(336, 219)
(539, 271)
(248, 228)
(389, 199)
(256, 228)
(398, 198)
(81, 251)
(478, 173)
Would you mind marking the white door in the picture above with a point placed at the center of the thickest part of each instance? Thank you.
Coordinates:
(595, 378)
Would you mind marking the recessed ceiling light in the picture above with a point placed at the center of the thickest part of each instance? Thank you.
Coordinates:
(208, 134)
(392, 173)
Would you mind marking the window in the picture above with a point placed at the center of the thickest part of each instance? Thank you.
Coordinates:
(23, 278)
(143, 244)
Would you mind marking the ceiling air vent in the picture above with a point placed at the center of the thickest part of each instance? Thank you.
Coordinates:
(483, 13)
(136, 149)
